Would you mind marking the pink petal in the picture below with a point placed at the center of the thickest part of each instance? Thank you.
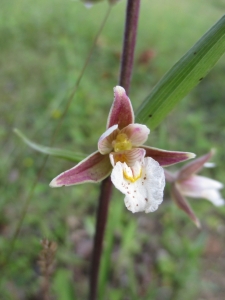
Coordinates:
(106, 139)
(94, 168)
(202, 187)
(129, 156)
(121, 112)
(167, 158)
(136, 133)
(183, 204)
(194, 166)
(194, 185)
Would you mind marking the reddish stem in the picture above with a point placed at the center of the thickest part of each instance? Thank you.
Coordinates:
(102, 213)
(130, 32)
(129, 43)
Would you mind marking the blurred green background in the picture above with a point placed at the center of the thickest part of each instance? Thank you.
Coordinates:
(155, 256)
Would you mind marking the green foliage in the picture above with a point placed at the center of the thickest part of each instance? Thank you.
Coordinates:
(154, 256)
(69, 155)
(184, 76)
(63, 284)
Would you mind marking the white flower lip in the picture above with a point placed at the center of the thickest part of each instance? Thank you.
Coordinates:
(142, 184)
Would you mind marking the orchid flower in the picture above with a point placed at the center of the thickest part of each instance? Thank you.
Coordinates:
(186, 183)
(136, 170)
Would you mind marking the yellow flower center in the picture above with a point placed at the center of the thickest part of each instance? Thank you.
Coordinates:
(132, 177)
(121, 143)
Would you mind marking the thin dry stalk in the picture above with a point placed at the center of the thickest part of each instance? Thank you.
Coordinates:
(46, 264)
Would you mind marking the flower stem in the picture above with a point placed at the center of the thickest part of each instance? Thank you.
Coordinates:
(132, 13)
(129, 42)
(102, 213)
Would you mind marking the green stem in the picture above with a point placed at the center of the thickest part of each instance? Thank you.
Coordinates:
(129, 43)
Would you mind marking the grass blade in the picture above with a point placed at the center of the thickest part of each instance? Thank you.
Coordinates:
(183, 76)
(69, 155)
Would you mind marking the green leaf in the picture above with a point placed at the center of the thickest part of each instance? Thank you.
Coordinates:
(63, 284)
(183, 76)
(69, 155)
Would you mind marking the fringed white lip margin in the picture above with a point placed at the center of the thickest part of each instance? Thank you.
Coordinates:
(142, 184)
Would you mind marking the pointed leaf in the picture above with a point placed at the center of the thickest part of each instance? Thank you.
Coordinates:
(167, 158)
(121, 112)
(183, 76)
(183, 204)
(69, 155)
(94, 168)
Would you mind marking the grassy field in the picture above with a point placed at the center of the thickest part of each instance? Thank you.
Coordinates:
(156, 256)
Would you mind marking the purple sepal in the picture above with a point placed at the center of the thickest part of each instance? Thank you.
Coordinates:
(194, 166)
(121, 111)
(183, 204)
(167, 158)
(94, 168)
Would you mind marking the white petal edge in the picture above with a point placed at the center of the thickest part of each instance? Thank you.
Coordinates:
(213, 196)
(196, 184)
(209, 165)
(144, 194)
(202, 187)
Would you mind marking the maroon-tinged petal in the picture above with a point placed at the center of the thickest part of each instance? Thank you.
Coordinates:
(194, 166)
(94, 168)
(170, 177)
(121, 112)
(136, 133)
(129, 156)
(183, 204)
(105, 141)
(167, 158)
